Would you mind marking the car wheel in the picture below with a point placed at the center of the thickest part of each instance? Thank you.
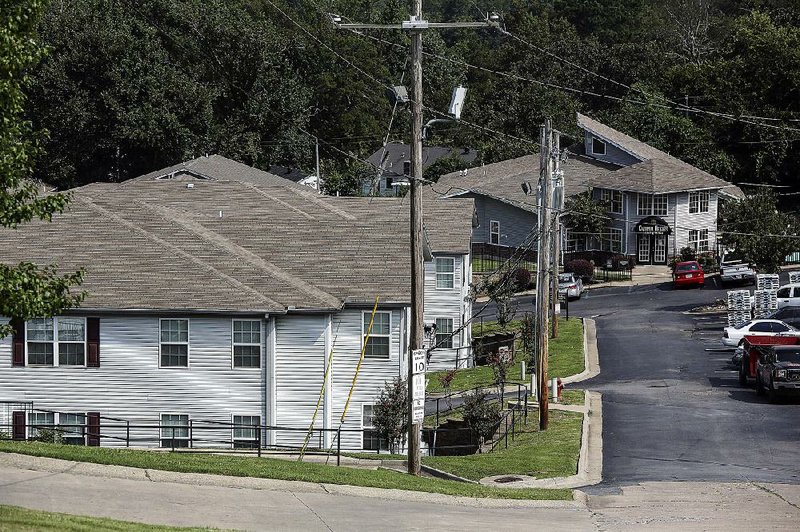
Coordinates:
(741, 343)
(743, 373)
(772, 394)
(759, 386)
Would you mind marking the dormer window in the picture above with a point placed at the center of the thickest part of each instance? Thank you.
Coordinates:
(598, 146)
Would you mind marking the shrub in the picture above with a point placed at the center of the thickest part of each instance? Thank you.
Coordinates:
(48, 436)
(522, 279)
(391, 413)
(581, 268)
(481, 414)
(688, 253)
(708, 262)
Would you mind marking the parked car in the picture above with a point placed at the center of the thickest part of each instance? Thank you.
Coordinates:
(570, 284)
(733, 268)
(789, 315)
(753, 347)
(688, 274)
(733, 336)
(789, 295)
(778, 371)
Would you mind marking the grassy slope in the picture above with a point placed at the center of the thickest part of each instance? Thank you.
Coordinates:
(552, 453)
(271, 468)
(15, 518)
(565, 359)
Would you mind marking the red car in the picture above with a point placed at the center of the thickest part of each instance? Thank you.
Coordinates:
(688, 274)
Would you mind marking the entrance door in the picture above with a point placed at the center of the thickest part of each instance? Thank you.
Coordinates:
(644, 249)
(660, 249)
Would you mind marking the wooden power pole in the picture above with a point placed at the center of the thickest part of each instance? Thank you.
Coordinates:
(543, 271)
(415, 26)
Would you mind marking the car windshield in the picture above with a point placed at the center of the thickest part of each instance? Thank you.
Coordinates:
(792, 356)
(564, 277)
(692, 267)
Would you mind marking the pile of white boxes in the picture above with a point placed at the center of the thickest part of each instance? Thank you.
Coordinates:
(740, 304)
(794, 277)
(764, 302)
(767, 281)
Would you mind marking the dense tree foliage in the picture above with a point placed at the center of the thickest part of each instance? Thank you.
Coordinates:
(132, 86)
(25, 290)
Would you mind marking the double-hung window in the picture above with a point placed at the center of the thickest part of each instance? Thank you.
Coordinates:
(371, 439)
(698, 240)
(73, 428)
(174, 343)
(57, 341)
(651, 204)
(377, 345)
(444, 333)
(613, 242)
(38, 421)
(445, 272)
(494, 232)
(660, 205)
(174, 430)
(246, 344)
(614, 199)
(245, 431)
(698, 202)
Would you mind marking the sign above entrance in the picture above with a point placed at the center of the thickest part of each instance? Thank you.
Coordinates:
(652, 225)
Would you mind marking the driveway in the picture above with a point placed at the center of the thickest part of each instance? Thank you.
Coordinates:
(672, 405)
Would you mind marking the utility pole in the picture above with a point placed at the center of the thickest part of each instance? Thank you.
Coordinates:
(543, 272)
(558, 198)
(415, 26)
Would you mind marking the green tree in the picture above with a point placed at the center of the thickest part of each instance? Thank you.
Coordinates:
(391, 413)
(755, 227)
(585, 214)
(25, 290)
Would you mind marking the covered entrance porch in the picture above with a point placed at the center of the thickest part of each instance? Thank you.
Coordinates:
(651, 240)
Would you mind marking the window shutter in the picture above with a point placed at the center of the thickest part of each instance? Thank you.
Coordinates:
(93, 429)
(18, 424)
(93, 342)
(18, 343)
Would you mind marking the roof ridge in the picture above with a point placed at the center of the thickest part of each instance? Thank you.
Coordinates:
(163, 243)
(214, 238)
(262, 192)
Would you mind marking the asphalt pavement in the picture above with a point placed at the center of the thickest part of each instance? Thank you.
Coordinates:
(672, 405)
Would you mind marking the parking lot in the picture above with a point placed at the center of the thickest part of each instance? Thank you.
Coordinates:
(673, 407)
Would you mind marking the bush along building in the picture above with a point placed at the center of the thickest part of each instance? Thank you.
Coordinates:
(658, 204)
(221, 299)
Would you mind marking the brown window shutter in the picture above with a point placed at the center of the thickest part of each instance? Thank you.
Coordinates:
(18, 342)
(93, 342)
(93, 429)
(18, 424)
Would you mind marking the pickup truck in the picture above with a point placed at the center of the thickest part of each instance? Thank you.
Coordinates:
(754, 348)
(778, 371)
(734, 269)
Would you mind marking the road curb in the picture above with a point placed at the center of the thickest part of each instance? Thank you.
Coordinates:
(591, 357)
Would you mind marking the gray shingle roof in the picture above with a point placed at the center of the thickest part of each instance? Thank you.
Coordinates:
(243, 244)
(658, 173)
(397, 152)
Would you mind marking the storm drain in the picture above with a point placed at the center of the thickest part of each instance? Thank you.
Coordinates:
(507, 480)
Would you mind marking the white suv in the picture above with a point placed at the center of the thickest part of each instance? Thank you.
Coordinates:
(789, 295)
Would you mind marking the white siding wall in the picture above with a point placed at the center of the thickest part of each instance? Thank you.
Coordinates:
(372, 377)
(446, 303)
(703, 220)
(130, 385)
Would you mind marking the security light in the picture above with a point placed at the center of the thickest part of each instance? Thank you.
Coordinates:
(397, 95)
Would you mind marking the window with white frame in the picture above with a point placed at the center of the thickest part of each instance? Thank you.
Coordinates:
(698, 240)
(245, 431)
(73, 428)
(377, 344)
(613, 241)
(598, 146)
(651, 205)
(371, 440)
(174, 343)
(174, 430)
(444, 333)
(494, 232)
(38, 421)
(59, 341)
(698, 202)
(445, 272)
(570, 241)
(246, 343)
(614, 199)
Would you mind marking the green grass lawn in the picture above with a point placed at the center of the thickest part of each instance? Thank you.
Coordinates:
(16, 518)
(551, 453)
(565, 359)
(240, 466)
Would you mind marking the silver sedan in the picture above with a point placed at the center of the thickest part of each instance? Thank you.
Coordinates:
(570, 285)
